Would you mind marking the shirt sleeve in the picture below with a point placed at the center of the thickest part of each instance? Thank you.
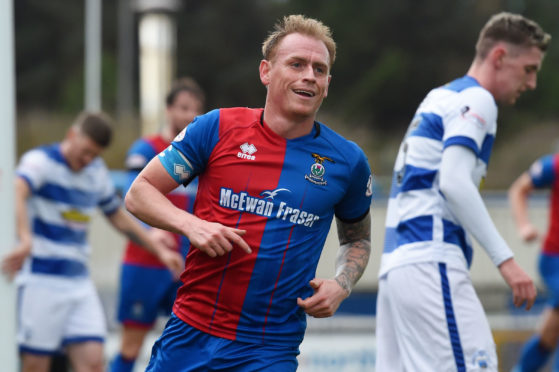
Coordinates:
(356, 202)
(109, 200)
(543, 171)
(474, 118)
(191, 149)
(466, 204)
(33, 168)
(139, 155)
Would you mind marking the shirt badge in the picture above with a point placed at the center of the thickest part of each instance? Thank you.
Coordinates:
(318, 170)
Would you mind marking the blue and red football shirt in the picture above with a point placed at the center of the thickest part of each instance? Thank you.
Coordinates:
(545, 174)
(284, 193)
(140, 153)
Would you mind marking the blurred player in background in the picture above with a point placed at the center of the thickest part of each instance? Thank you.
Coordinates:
(270, 182)
(147, 288)
(544, 173)
(58, 188)
(429, 317)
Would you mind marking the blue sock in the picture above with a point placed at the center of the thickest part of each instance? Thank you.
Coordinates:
(121, 364)
(534, 356)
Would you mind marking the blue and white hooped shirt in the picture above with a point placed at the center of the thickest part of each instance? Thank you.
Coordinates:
(419, 225)
(60, 208)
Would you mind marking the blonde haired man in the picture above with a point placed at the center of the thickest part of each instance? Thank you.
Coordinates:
(270, 182)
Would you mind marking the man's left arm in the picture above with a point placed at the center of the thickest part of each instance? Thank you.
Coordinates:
(128, 226)
(353, 256)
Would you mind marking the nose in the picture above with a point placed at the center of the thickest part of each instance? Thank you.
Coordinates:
(308, 73)
(531, 82)
(88, 158)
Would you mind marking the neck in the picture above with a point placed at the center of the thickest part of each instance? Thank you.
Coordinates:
(64, 148)
(167, 133)
(288, 127)
(480, 71)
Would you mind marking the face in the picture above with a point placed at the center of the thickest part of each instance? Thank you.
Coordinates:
(297, 76)
(79, 150)
(517, 72)
(183, 110)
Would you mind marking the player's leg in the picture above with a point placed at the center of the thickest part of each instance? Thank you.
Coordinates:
(472, 327)
(59, 362)
(35, 362)
(42, 311)
(418, 318)
(85, 330)
(86, 356)
(143, 291)
(440, 324)
(539, 348)
(388, 353)
(132, 340)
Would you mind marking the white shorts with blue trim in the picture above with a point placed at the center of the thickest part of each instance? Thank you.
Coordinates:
(429, 318)
(54, 313)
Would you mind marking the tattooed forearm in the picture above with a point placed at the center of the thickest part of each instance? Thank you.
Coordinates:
(355, 248)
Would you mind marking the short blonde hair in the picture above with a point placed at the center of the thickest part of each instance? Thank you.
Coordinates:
(302, 25)
(511, 28)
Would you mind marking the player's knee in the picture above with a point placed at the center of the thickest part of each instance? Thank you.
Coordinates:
(130, 353)
(550, 331)
(32, 363)
(93, 365)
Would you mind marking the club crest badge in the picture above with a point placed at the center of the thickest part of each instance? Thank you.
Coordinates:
(318, 170)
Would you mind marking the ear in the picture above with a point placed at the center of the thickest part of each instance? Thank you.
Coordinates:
(497, 55)
(327, 85)
(71, 132)
(264, 68)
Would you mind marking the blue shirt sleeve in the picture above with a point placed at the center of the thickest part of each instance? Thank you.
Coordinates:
(543, 172)
(139, 155)
(190, 151)
(357, 200)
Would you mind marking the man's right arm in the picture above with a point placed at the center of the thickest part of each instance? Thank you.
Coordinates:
(465, 202)
(519, 192)
(147, 201)
(14, 260)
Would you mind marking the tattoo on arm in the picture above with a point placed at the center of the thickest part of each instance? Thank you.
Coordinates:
(354, 252)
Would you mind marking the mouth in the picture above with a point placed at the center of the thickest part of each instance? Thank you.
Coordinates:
(304, 93)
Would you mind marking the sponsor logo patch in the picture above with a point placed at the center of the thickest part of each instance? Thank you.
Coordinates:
(247, 151)
(318, 170)
(243, 202)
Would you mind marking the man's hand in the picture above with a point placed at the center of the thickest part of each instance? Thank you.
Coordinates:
(13, 261)
(528, 232)
(523, 289)
(327, 297)
(173, 260)
(164, 237)
(215, 239)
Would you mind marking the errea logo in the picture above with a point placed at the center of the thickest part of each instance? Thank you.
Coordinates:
(247, 150)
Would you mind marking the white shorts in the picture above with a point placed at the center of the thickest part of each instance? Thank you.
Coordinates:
(429, 318)
(53, 315)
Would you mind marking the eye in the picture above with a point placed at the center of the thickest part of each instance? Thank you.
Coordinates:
(530, 69)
